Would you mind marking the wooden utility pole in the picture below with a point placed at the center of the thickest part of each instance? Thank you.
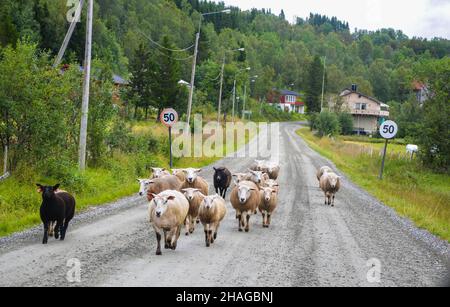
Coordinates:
(191, 90)
(221, 89)
(86, 87)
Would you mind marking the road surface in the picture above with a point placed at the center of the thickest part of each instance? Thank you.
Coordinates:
(308, 244)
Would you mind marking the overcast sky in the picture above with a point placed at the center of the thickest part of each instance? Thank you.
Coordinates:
(425, 18)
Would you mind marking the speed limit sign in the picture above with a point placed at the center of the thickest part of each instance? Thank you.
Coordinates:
(388, 129)
(169, 117)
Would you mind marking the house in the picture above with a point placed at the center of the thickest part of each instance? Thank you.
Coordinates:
(421, 91)
(287, 101)
(368, 113)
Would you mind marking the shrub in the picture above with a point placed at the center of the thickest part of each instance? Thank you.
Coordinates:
(346, 123)
(327, 124)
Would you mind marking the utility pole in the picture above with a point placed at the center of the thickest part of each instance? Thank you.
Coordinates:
(66, 41)
(234, 97)
(245, 100)
(191, 90)
(221, 90)
(86, 87)
(323, 84)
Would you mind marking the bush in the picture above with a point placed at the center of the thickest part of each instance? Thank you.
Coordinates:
(346, 123)
(327, 124)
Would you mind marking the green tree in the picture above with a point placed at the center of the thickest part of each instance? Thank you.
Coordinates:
(327, 123)
(314, 86)
(345, 123)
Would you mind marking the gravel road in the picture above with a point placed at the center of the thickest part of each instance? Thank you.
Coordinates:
(308, 244)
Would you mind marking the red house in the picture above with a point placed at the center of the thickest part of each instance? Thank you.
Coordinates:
(287, 101)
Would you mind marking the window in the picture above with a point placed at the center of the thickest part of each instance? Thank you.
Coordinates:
(291, 99)
(361, 106)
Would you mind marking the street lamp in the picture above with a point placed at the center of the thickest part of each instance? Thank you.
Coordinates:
(194, 61)
(234, 86)
(253, 79)
(221, 82)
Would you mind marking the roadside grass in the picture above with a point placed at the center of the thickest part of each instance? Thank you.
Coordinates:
(412, 190)
(20, 201)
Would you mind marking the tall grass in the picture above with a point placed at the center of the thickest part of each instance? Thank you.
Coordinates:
(412, 190)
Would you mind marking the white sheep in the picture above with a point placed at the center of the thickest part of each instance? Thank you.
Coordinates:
(259, 165)
(411, 150)
(245, 199)
(159, 172)
(257, 177)
(168, 211)
(268, 204)
(180, 174)
(156, 186)
(212, 211)
(321, 171)
(143, 186)
(195, 198)
(194, 181)
(272, 184)
(273, 170)
(330, 184)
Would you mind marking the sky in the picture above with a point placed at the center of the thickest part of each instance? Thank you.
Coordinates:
(422, 18)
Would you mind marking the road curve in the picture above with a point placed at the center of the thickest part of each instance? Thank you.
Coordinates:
(308, 244)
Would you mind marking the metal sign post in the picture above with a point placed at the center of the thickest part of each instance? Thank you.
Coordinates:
(169, 117)
(388, 130)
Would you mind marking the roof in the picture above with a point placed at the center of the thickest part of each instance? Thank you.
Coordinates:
(287, 92)
(349, 91)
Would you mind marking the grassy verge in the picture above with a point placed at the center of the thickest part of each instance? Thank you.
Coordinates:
(413, 191)
(19, 200)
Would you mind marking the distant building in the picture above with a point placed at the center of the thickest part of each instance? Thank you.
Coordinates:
(288, 101)
(368, 113)
(421, 91)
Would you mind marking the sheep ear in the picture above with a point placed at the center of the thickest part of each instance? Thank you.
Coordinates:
(202, 195)
(214, 168)
(40, 188)
(171, 197)
(56, 187)
(199, 170)
(184, 190)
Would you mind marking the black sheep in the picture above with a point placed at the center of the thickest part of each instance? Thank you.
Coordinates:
(57, 206)
(222, 180)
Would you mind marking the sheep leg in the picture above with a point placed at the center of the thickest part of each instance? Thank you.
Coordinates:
(239, 216)
(66, 225)
(187, 224)
(247, 225)
(216, 230)
(176, 237)
(263, 218)
(334, 196)
(158, 240)
(208, 244)
(269, 217)
(166, 242)
(192, 225)
(45, 239)
(51, 230)
(58, 229)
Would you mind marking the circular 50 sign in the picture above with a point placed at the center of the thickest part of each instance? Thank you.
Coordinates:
(389, 129)
(169, 117)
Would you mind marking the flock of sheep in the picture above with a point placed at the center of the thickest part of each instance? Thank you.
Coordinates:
(182, 199)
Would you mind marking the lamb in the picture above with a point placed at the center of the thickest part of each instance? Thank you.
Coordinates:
(159, 172)
(212, 211)
(180, 174)
(194, 181)
(269, 202)
(258, 177)
(238, 177)
(245, 199)
(195, 198)
(222, 180)
(57, 207)
(330, 185)
(168, 211)
(322, 170)
(143, 186)
(272, 184)
(156, 186)
(273, 170)
(259, 165)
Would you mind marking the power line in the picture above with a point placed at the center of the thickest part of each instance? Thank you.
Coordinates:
(162, 47)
